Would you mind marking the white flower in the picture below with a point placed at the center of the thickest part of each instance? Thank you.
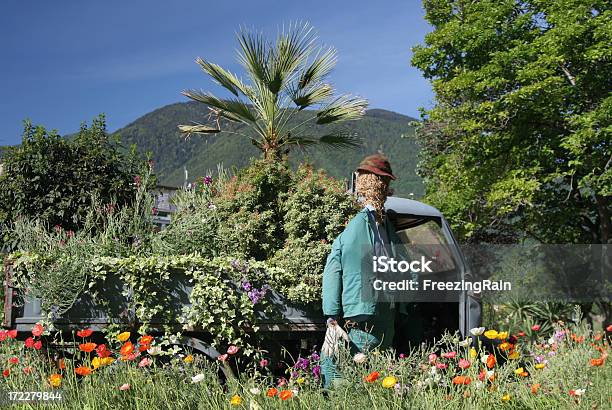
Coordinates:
(255, 391)
(433, 370)
(551, 340)
(465, 342)
(579, 392)
(360, 358)
(295, 392)
(479, 384)
(477, 331)
(155, 350)
(198, 378)
(489, 374)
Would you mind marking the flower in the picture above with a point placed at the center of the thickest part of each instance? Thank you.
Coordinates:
(300, 380)
(37, 330)
(143, 348)
(155, 350)
(505, 346)
(84, 333)
(285, 394)
(235, 400)
(3, 335)
(473, 353)
(505, 398)
(490, 362)
(55, 380)
(232, 350)
(6, 372)
(264, 363)
(597, 362)
(83, 370)
(477, 331)
(491, 334)
(105, 361)
(87, 347)
(540, 366)
(145, 362)
(514, 355)
(360, 358)
(441, 366)
(372, 377)
(535, 387)
(222, 357)
(389, 382)
(609, 328)
(464, 364)
(124, 387)
(198, 378)
(28, 369)
(271, 392)
(535, 328)
(502, 335)
(123, 337)
(432, 358)
(519, 371)
(449, 355)
(96, 362)
(38, 345)
(12, 333)
(145, 340)
(126, 349)
(188, 358)
(29, 342)
(13, 360)
(466, 342)
(103, 351)
(255, 391)
(465, 380)
(577, 392)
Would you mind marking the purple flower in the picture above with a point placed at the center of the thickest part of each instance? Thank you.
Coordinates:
(302, 363)
(316, 371)
(539, 358)
(315, 357)
(247, 286)
(560, 335)
(207, 180)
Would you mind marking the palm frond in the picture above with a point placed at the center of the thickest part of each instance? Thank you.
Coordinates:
(224, 78)
(254, 56)
(197, 129)
(318, 69)
(339, 139)
(343, 108)
(307, 97)
(232, 109)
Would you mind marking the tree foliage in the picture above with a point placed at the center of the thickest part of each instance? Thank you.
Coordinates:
(519, 138)
(54, 179)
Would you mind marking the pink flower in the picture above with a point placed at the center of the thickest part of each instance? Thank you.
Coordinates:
(535, 328)
(232, 349)
(3, 335)
(464, 364)
(37, 330)
(29, 342)
(145, 362)
(263, 363)
(449, 355)
(13, 360)
(12, 333)
(38, 345)
(432, 358)
(124, 387)
(441, 366)
(402, 356)
(222, 357)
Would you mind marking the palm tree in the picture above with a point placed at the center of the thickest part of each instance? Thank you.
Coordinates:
(284, 78)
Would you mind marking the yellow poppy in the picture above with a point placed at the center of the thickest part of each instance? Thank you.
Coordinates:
(491, 334)
(519, 371)
(96, 362)
(188, 358)
(123, 337)
(514, 355)
(300, 380)
(540, 366)
(235, 400)
(473, 353)
(388, 382)
(506, 398)
(502, 335)
(55, 380)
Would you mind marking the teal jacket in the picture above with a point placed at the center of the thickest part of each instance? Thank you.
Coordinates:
(342, 276)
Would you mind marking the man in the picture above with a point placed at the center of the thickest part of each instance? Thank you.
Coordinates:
(348, 275)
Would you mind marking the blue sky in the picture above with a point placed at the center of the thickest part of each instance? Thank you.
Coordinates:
(63, 62)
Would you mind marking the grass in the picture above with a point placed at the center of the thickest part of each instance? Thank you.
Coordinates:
(416, 379)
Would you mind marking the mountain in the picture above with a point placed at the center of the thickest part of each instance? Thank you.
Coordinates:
(157, 133)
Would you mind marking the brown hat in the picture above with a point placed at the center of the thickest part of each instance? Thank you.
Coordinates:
(377, 164)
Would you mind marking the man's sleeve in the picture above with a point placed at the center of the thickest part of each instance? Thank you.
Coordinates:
(332, 281)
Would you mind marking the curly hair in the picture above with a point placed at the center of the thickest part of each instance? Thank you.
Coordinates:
(374, 189)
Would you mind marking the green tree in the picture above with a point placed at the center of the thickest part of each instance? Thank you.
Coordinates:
(518, 142)
(54, 179)
(285, 78)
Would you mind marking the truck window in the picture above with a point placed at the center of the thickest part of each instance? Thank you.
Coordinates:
(425, 238)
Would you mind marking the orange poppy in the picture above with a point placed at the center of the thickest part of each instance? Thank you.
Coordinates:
(61, 364)
(285, 394)
(462, 380)
(597, 362)
(372, 377)
(83, 371)
(577, 339)
(146, 340)
(143, 348)
(87, 347)
(271, 392)
(84, 333)
(535, 387)
(126, 349)
(490, 361)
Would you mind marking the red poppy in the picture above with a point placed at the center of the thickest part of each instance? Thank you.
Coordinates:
(465, 380)
(577, 339)
(271, 392)
(13, 360)
(285, 394)
(126, 349)
(3, 335)
(87, 347)
(84, 333)
(449, 355)
(609, 328)
(12, 333)
(6, 372)
(372, 377)
(29, 342)
(535, 328)
(521, 334)
(143, 348)
(597, 362)
(83, 371)
(146, 340)
(233, 349)
(38, 345)
(103, 351)
(37, 330)
(61, 364)
(535, 387)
